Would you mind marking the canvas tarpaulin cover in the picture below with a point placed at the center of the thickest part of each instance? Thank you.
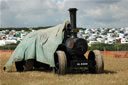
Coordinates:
(40, 45)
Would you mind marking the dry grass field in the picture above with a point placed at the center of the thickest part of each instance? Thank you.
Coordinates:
(116, 73)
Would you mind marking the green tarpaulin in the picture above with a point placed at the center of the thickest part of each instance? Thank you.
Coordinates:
(40, 45)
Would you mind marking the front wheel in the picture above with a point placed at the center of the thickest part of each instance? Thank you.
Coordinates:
(97, 62)
(24, 65)
(60, 62)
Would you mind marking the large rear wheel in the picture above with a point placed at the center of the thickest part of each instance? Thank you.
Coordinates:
(24, 65)
(60, 62)
(97, 62)
(29, 64)
(19, 66)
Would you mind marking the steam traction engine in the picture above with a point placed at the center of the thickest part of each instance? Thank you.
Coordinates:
(70, 54)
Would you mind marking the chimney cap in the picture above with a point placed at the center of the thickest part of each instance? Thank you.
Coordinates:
(73, 9)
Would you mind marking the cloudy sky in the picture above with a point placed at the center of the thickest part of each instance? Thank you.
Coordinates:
(90, 14)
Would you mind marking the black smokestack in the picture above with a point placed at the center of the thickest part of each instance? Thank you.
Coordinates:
(72, 12)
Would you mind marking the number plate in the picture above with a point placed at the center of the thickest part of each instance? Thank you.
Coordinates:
(82, 64)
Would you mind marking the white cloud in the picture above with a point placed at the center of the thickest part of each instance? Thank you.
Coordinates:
(91, 13)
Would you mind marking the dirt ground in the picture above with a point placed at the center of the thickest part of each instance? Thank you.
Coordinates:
(116, 73)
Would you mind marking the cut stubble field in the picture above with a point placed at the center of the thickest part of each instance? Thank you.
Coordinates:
(116, 73)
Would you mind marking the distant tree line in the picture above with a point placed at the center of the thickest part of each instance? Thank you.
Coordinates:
(100, 46)
(17, 29)
(24, 28)
(37, 28)
(109, 47)
(8, 47)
